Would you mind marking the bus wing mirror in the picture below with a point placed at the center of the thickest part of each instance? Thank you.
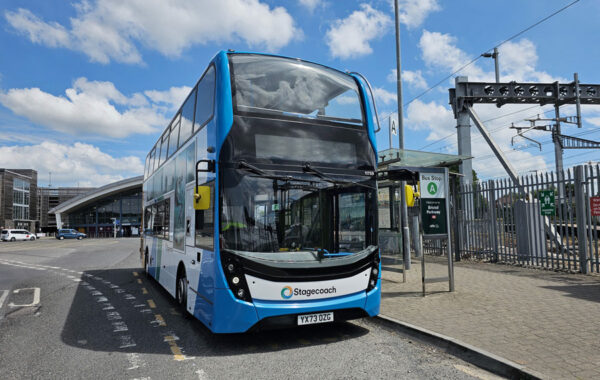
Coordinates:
(204, 166)
(202, 198)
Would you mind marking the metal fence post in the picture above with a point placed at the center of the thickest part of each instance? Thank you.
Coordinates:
(580, 209)
(493, 225)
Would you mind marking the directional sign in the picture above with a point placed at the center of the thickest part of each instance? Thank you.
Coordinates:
(432, 185)
(547, 205)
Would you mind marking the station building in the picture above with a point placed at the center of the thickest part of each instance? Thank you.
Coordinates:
(102, 211)
(50, 197)
(18, 199)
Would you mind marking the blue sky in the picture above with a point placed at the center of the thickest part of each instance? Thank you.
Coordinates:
(87, 86)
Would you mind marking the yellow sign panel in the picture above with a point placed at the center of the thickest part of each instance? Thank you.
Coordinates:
(202, 198)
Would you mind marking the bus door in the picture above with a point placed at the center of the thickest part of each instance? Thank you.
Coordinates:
(200, 255)
(193, 254)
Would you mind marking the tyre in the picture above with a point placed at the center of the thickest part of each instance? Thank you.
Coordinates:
(32, 238)
(79, 237)
(61, 238)
(181, 291)
(12, 239)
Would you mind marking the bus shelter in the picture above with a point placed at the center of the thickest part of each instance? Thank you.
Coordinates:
(429, 205)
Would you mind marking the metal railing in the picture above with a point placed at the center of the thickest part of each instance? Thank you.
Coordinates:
(495, 222)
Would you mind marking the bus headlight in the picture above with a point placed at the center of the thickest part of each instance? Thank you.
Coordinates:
(374, 271)
(234, 274)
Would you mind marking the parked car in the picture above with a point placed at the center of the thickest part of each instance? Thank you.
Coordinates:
(13, 235)
(69, 233)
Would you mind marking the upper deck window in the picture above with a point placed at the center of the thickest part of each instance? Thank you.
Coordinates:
(283, 86)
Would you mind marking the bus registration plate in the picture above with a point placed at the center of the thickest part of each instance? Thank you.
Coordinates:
(309, 319)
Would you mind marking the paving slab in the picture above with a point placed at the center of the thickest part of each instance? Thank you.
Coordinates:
(546, 321)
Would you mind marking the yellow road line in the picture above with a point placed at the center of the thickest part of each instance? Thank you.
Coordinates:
(135, 274)
(139, 281)
(151, 304)
(144, 291)
(160, 319)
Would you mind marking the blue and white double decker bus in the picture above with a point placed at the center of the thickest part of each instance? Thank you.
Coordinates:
(260, 202)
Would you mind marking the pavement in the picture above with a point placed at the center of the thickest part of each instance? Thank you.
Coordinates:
(548, 322)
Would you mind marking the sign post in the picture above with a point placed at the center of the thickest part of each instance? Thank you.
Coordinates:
(435, 216)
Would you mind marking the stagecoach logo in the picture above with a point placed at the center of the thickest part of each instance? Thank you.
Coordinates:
(286, 292)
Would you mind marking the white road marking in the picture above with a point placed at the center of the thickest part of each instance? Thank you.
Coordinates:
(96, 293)
(36, 297)
(101, 299)
(126, 341)
(119, 326)
(113, 315)
(3, 297)
(201, 375)
(108, 307)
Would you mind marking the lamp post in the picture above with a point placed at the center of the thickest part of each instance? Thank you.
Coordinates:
(403, 210)
(496, 66)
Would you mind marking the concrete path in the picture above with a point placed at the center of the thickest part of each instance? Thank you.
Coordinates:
(548, 322)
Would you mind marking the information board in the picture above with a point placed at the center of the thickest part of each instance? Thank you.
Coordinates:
(547, 205)
(433, 216)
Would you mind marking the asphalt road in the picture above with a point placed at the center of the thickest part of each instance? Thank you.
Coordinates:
(84, 309)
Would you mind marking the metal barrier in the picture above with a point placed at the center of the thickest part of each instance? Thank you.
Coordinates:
(553, 226)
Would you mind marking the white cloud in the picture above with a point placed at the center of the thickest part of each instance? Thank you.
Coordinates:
(350, 37)
(517, 60)
(172, 97)
(71, 164)
(412, 78)
(436, 121)
(384, 96)
(310, 4)
(108, 30)
(95, 108)
(412, 13)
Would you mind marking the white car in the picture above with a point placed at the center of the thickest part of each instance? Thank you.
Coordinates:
(12, 235)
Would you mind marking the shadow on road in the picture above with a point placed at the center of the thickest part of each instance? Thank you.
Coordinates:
(110, 312)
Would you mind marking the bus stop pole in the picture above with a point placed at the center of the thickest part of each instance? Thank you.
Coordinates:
(449, 241)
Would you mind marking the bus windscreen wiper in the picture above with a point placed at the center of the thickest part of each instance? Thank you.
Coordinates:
(261, 173)
(309, 169)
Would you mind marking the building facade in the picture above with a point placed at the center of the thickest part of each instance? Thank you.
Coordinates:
(114, 209)
(50, 197)
(18, 199)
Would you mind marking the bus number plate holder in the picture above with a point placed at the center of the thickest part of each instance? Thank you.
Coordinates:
(309, 319)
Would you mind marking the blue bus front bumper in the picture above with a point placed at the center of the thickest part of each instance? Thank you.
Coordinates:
(235, 316)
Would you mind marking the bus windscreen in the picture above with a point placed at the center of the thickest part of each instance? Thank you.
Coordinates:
(266, 84)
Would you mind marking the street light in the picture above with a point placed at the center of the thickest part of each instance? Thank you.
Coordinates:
(495, 56)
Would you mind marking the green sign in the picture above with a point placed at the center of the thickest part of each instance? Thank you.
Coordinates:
(433, 216)
(547, 205)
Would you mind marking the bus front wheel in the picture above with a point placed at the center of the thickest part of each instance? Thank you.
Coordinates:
(182, 291)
